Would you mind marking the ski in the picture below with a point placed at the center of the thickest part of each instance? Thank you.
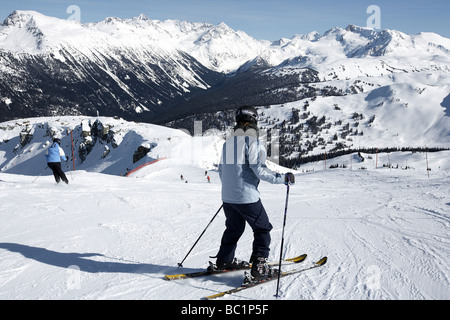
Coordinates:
(316, 264)
(293, 260)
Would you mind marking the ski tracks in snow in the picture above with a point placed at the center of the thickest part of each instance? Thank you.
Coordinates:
(382, 242)
(386, 236)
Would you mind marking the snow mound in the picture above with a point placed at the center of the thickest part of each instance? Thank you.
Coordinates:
(104, 145)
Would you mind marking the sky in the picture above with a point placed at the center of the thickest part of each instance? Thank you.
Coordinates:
(261, 19)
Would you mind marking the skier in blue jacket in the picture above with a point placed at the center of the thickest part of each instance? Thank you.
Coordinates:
(242, 166)
(54, 155)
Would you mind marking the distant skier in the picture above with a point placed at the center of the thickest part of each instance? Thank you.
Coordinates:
(241, 168)
(54, 155)
(209, 179)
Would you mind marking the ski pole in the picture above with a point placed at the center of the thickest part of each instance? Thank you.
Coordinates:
(39, 174)
(181, 263)
(282, 239)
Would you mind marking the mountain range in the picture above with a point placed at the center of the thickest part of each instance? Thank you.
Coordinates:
(382, 220)
(393, 87)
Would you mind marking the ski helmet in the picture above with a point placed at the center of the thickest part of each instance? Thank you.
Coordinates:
(57, 140)
(247, 114)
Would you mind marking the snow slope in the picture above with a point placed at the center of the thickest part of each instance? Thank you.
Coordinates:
(384, 230)
(404, 110)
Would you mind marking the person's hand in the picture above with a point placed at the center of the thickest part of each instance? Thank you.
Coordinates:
(289, 178)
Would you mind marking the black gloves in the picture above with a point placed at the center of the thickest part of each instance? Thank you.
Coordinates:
(289, 178)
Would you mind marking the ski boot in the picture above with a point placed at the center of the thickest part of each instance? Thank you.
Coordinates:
(260, 271)
(236, 264)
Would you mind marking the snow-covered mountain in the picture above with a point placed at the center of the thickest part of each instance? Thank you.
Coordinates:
(383, 219)
(57, 67)
(217, 47)
(394, 111)
(347, 88)
(138, 68)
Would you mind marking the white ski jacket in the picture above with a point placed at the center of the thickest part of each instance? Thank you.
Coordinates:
(242, 166)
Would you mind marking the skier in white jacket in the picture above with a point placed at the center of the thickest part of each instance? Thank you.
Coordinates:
(242, 166)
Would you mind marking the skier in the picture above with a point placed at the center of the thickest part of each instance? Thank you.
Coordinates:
(241, 168)
(54, 155)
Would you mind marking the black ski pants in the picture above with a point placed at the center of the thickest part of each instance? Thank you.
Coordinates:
(57, 171)
(236, 217)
